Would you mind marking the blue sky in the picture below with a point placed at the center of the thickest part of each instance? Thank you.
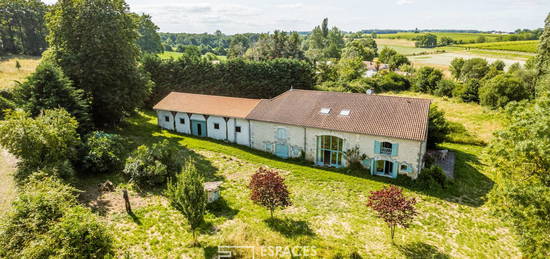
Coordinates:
(238, 16)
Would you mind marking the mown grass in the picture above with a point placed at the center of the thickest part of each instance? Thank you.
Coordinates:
(9, 74)
(328, 209)
(176, 55)
(530, 46)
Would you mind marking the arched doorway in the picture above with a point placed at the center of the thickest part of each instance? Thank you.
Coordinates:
(329, 151)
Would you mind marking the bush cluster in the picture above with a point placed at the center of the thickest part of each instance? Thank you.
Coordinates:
(431, 176)
(103, 152)
(152, 166)
(47, 222)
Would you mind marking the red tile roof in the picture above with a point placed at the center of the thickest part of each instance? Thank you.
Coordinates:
(207, 104)
(380, 115)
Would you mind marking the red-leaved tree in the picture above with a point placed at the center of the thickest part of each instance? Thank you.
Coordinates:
(393, 207)
(268, 189)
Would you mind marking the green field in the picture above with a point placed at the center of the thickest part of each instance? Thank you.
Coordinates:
(464, 37)
(9, 74)
(522, 46)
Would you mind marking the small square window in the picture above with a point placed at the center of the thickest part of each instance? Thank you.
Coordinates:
(166, 118)
(238, 129)
(404, 167)
(325, 110)
(344, 112)
(216, 126)
(182, 121)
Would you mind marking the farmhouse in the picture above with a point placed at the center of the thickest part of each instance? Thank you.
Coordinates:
(316, 125)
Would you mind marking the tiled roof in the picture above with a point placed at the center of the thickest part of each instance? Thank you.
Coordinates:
(391, 116)
(207, 104)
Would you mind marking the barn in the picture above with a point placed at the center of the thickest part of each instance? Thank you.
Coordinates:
(318, 126)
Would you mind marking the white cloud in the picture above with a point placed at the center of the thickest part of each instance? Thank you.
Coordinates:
(290, 6)
(404, 2)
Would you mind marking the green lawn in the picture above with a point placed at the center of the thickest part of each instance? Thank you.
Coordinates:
(328, 209)
(175, 55)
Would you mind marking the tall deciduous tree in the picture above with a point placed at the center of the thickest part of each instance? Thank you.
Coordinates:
(149, 39)
(188, 196)
(393, 207)
(519, 156)
(542, 62)
(268, 189)
(438, 126)
(22, 28)
(94, 42)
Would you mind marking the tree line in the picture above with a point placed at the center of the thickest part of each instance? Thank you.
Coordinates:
(23, 28)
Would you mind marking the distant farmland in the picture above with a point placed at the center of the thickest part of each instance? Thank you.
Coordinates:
(463, 37)
(522, 46)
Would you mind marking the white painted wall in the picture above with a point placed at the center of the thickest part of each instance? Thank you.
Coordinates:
(265, 133)
(162, 122)
(183, 127)
(243, 137)
(198, 117)
(214, 133)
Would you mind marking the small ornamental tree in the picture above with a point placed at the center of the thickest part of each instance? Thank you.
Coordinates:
(188, 196)
(268, 189)
(393, 207)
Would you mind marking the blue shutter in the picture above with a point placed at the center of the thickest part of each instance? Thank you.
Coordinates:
(372, 166)
(395, 168)
(377, 147)
(394, 148)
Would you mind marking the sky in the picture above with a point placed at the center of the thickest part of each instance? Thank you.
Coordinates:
(239, 16)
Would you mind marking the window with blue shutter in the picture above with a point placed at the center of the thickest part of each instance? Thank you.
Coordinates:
(377, 147)
(394, 148)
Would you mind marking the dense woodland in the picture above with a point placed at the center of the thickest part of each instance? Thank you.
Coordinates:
(55, 122)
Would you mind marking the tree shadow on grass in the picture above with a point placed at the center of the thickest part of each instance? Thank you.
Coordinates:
(420, 250)
(289, 227)
(221, 208)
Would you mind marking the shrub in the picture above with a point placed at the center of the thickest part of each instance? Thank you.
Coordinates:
(431, 176)
(438, 127)
(501, 90)
(354, 157)
(468, 92)
(153, 165)
(445, 88)
(103, 152)
(269, 190)
(40, 203)
(474, 68)
(79, 233)
(426, 79)
(392, 82)
(47, 141)
(6, 103)
(188, 196)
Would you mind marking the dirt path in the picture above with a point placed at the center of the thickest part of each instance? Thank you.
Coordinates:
(7, 185)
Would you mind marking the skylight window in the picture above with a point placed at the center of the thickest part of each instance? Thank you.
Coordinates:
(344, 112)
(325, 110)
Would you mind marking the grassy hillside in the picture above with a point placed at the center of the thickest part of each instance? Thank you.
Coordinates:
(9, 73)
(522, 46)
(328, 209)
